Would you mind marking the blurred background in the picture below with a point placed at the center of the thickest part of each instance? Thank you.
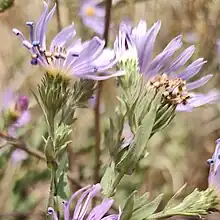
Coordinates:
(177, 155)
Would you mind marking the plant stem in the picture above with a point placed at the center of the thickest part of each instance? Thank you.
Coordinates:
(59, 26)
(115, 184)
(96, 177)
(51, 193)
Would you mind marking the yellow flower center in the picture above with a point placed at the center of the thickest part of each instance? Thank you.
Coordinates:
(90, 11)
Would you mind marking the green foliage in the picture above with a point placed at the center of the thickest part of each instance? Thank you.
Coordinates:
(197, 203)
(5, 4)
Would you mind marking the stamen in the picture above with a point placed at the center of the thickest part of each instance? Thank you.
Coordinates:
(36, 43)
(19, 34)
(175, 89)
(30, 24)
(34, 60)
(210, 161)
(27, 44)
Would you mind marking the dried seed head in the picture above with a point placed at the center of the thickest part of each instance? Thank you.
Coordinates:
(174, 89)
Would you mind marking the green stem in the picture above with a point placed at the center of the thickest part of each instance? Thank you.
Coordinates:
(53, 198)
(51, 193)
(115, 184)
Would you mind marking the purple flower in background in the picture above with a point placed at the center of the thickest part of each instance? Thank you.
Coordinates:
(214, 172)
(68, 56)
(167, 69)
(18, 156)
(191, 37)
(93, 15)
(81, 210)
(15, 112)
(218, 48)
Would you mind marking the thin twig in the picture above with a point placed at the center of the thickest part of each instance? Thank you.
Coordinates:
(17, 143)
(59, 25)
(98, 100)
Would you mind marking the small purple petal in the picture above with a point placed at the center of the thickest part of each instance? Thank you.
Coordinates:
(40, 23)
(65, 35)
(147, 46)
(199, 100)
(89, 53)
(181, 60)
(24, 119)
(81, 209)
(161, 60)
(22, 103)
(192, 69)
(44, 27)
(198, 83)
(100, 210)
(67, 206)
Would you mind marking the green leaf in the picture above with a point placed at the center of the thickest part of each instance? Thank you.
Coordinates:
(62, 186)
(108, 179)
(147, 210)
(128, 207)
(197, 203)
(139, 202)
(172, 202)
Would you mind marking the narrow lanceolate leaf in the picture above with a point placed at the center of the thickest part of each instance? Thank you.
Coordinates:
(197, 203)
(108, 179)
(141, 201)
(128, 207)
(146, 210)
(62, 186)
(172, 202)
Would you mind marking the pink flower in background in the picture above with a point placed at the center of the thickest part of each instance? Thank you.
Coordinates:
(15, 112)
(18, 156)
(93, 15)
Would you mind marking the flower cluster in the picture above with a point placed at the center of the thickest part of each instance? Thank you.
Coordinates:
(81, 209)
(93, 15)
(167, 69)
(149, 91)
(67, 56)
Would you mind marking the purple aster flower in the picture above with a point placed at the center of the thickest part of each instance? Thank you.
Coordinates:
(81, 210)
(214, 172)
(167, 69)
(68, 56)
(93, 15)
(15, 112)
